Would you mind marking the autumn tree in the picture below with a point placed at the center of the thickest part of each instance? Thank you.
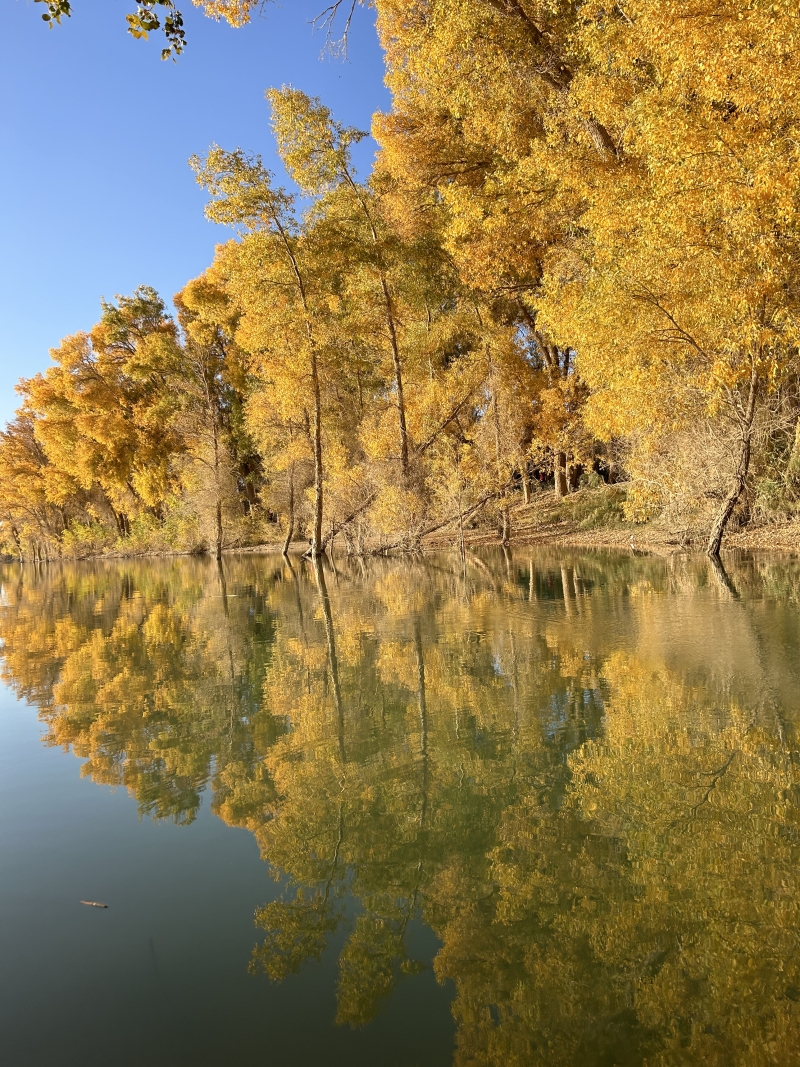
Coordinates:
(211, 379)
(275, 258)
(631, 160)
(37, 500)
(104, 409)
(688, 268)
(316, 152)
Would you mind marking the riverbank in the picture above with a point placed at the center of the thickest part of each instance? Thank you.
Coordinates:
(590, 518)
(593, 519)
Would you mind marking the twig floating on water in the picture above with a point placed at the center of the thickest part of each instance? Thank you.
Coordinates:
(94, 904)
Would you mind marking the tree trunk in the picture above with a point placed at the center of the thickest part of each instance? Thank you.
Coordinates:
(219, 494)
(290, 522)
(461, 528)
(506, 533)
(390, 322)
(792, 476)
(398, 377)
(17, 542)
(219, 529)
(560, 474)
(740, 476)
(250, 502)
(574, 476)
(317, 547)
(506, 536)
(527, 488)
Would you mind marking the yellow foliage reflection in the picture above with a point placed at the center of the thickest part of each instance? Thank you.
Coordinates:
(581, 772)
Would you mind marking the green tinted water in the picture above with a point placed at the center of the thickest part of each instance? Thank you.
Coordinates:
(542, 811)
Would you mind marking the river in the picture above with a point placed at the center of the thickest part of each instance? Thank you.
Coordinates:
(538, 808)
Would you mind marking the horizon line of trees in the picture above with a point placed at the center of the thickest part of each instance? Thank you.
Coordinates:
(579, 242)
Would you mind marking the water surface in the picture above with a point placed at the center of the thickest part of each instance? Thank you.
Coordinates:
(541, 810)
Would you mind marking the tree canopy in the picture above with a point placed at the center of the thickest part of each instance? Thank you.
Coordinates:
(574, 262)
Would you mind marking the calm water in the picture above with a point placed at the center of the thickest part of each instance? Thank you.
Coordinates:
(544, 811)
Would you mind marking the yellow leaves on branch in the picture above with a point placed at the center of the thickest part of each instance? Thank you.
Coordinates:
(235, 12)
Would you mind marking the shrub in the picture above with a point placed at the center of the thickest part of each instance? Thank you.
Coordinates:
(591, 508)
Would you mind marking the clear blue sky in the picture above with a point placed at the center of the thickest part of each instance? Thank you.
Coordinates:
(95, 195)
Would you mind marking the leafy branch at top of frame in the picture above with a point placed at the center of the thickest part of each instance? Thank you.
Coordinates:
(145, 20)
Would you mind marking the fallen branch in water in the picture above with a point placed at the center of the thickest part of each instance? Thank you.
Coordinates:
(94, 904)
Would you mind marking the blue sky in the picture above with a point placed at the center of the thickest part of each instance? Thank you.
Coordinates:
(96, 196)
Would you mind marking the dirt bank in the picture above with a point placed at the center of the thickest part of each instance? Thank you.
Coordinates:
(547, 521)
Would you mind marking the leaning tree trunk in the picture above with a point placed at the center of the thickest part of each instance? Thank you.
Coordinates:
(740, 475)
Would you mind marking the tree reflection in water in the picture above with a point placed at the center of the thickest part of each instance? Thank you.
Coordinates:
(581, 771)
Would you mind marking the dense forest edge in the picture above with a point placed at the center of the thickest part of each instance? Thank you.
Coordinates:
(566, 298)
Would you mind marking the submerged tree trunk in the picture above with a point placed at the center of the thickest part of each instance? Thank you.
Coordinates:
(740, 475)
(560, 474)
